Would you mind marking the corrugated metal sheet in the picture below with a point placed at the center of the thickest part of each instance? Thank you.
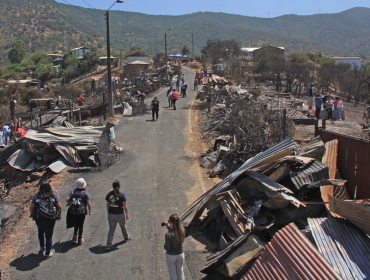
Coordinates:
(313, 148)
(353, 162)
(68, 124)
(69, 153)
(312, 173)
(273, 189)
(330, 157)
(215, 260)
(290, 255)
(58, 165)
(65, 135)
(274, 153)
(22, 160)
(357, 213)
(344, 246)
(334, 191)
(58, 122)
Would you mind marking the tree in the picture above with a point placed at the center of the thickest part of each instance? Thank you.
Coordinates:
(45, 72)
(185, 50)
(17, 52)
(216, 49)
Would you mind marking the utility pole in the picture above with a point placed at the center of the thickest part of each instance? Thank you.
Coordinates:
(192, 45)
(110, 94)
(165, 47)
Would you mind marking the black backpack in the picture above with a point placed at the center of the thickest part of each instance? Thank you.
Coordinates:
(46, 210)
(77, 206)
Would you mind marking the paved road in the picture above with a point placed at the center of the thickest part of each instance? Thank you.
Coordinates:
(154, 172)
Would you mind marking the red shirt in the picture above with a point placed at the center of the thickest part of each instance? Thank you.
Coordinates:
(80, 100)
(195, 81)
(175, 95)
(12, 128)
(336, 104)
(21, 133)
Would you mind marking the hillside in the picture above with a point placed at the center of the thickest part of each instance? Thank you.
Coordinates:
(41, 24)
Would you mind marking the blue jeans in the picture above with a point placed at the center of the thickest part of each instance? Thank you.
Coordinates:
(337, 113)
(46, 229)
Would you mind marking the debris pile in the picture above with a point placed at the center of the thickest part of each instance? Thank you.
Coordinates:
(278, 198)
(61, 145)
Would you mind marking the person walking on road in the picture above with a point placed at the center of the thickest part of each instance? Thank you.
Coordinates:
(183, 78)
(174, 239)
(169, 96)
(184, 87)
(78, 201)
(117, 213)
(45, 209)
(196, 83)
(175, 97)
(155, 106)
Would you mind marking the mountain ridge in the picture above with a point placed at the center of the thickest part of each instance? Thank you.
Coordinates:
(41, 25)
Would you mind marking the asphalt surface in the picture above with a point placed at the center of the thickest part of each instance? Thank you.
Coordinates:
(154, 175)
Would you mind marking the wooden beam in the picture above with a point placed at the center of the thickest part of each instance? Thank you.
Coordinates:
(280, 173)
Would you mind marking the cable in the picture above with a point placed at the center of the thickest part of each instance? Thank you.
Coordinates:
(89, 5)
(78, 8)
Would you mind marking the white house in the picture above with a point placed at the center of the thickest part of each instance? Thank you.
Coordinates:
(79, 52)
(138, 56)
(354, 61)
(248, 53)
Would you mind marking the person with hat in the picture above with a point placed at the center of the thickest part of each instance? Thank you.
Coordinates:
(79, 204)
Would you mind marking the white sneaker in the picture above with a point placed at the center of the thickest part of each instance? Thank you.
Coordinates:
(50, 254)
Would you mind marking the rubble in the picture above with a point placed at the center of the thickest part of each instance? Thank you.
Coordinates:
(278, 197)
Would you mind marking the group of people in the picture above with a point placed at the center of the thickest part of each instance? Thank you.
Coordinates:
(8, 133)
(46, 209)
(323, 99)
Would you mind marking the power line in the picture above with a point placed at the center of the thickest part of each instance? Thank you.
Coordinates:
(89, 4)
(78, 8)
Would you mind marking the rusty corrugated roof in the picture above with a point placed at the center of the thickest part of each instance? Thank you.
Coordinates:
(343, 245)
(276, 152)
(22, 160)
(290, 255)
(58, 122)
(330, 157)
(69, 153)
(314, 147)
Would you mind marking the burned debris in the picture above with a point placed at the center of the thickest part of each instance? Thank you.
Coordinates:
(268, 218)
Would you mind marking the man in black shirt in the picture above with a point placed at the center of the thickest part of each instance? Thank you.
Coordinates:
(155, 106)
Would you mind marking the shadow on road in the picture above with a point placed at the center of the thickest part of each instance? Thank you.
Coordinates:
(100, 249)
(64, 247)
(26, 263)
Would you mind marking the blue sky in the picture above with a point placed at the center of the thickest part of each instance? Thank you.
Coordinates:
(259, 8)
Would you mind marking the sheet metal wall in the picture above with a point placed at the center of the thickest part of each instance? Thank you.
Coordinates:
(353, 162)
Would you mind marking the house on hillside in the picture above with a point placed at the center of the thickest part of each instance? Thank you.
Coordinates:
(104, 60)
(248, 53)
(79, 52)
(57, 61)
(268, 50)
(355, 62)
(138, 56)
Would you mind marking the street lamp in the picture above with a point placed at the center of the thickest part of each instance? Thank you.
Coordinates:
(110, 95)
(165, 46)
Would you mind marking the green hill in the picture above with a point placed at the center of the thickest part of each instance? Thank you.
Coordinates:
(41, 24)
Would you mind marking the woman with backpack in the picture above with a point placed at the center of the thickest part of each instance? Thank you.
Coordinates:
(173, 245)
(45, 209)
(79, 201)
(117, 213)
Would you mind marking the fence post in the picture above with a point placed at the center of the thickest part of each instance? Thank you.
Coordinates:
(316, 127)
(323, 123)
(284, 123)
